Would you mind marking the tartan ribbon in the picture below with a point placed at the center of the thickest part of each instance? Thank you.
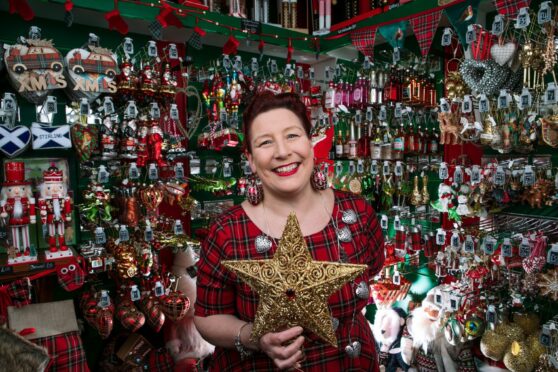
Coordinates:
(364, 39)
(17, 293)
(424, 27)
(510, 8)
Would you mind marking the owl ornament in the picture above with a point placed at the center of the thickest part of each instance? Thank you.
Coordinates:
(71, 276)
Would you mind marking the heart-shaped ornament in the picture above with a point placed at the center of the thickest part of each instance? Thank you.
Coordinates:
(84, 139)
(175, 305)
(13, 141)
(104, 321)
(130, 317)
(154, 316)
(503, 54)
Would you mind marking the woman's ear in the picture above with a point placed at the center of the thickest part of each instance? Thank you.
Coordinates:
(250, 159)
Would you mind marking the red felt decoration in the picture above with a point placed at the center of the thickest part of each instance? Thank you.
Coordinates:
(231, 46)
(22, 8)
(290, 50)
(199, 31)
(261, 46)
(69, 5)
(166, 17)
(116, 22)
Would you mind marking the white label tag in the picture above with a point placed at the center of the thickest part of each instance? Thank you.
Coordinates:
(484, 104)
(455, 242)
(446, 36)
(440, 237)
(159, 289)
(467, 104)
(471, 34)
(384, 222)
(374, 167)
(155, 112)
(523, 20)
(383, 113)
(525, 100)
(458, 175)
(123, 233)
(237, 65)
(128, 46)
(153, 173)
(148, 234)
(104, 301)
(369, 115)
(299, 72)
(503, 101)
(545, 12)
(550, 94)
(327, 74)
(152, 49)
(386, 169)
(131, 109)
(227, 64)
(507, 249)
(179, 170)
(135, 293)
(489, 245)
(469, 244)
(178, 230)
(173, 51)
(552, 256)
(528, 176)
(396, 56)
(360, 166)
(500, 176)
(254, 66)
(173, 112)
(443, 171)
(84, 107)
(398, 170)
(475, 174)
(397, 223)
(100, 236)
(444, 105)
(366, 63)
(103, 175)
(524, 248)
(398, 112)
(133, 171)
(498, 25)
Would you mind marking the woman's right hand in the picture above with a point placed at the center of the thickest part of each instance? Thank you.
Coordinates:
(284, 348)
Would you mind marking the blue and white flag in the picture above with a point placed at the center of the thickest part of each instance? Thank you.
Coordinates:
(13, 141)
(47, 137)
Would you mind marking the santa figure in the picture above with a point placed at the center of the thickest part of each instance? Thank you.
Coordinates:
(55, 207)
(17, 207)
(155, 141)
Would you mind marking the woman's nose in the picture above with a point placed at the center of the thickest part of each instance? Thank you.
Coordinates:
(282, 149)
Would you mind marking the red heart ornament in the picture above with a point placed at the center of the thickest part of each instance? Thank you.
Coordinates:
(175, 305)
(104, 321)
(84, 139)
(154, 316)
(131, 318)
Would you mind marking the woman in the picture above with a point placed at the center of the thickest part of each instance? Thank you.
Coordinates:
(336, 226)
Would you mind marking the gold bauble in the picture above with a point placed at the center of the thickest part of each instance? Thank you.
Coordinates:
(450, 84)
(451, 94)
(459, 89)
(519, 358)
(511, 331)
(537, 349)
(493, 345)
(529, 322)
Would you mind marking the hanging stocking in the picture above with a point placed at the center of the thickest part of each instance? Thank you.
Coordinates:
(166, 17)
(195, 39)
(22, 8)
(231, 46)
(116, 22)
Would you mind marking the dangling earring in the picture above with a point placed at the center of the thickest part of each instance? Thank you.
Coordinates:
(318, 180)
(254, 190)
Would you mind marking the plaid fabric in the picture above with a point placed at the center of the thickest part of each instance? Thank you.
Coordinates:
(364, 39)
(65, 351)
(17, 293)
(160, 360)
(220, 292)
(510, 8)
(425, 27)
(400, 239)
(426, 362)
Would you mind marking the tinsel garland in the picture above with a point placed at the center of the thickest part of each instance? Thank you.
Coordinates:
(486, 77)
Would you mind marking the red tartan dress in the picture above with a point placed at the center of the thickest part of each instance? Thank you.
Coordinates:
(219, 291)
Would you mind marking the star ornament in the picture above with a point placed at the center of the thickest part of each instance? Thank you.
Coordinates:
(548, 283)
(293, 288)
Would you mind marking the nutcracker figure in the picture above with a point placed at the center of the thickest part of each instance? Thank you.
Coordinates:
(55, 208)
(17, 208)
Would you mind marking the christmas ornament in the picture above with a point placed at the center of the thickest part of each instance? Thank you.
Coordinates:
(486, 77)
(292, 285)
(548, 283)
(131, 318)
(154, 316)
(84, 139)
(14, 139)
(175, 305)
(115, 21)
(126, 263)
(195, 40)
(519, 358)
(528, 322)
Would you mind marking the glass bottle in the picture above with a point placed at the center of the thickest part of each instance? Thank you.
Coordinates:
(339, 145)
(406, 89)
(410, 139)
(329, 99)
(373, 94)
(339, 93)
(363, 148)
(398, 143)
(387, 141)
(357, 93)
(346, 145)
(353, 141)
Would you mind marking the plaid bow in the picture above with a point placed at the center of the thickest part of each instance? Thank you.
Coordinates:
(17, 293)
(424, 27)
(364, 40)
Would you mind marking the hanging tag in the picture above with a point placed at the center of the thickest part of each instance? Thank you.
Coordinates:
(358, 117)
(550, 94)
(374, 167)
(383, 113)
(458, 175)
(135, 293)
(299, 72)
(467, 104)
(443, 173)
(131, 110)
(273, 66)
(173, 51)
(223, 116)
(398, 112)
(254, 66)
(148, 233)
(311, 73)
(227, 171)
(179, 170)
(50, 105)
(396, 56)
(484, 104)
(500, 176)
(84, 106)
(507, 248)
(103, 174)
(123, 233)
(384, 222)
(398, 170)
(524, 248)
(152, 49)
(133, 171)
(104, 300)
(352, 167)
(227, 64)
(552, 256)
(489, 245)
(455, 241)
(108, 106)
(155, 112)
(528, 176)
(360, 166)
(440, 236)
(128, 46)
(237, 65)
(469, 244)
(397, 223)
(444, 106)
(446, 36)
(337, 70)
(523, 20)
(177, 227)
(369, 115)
(471, 34)
(386, 170)
(287, 71)
(396, 278)
(246, 169)
(338, 168)
(545, 12)
(100, 236)
(491, 316)
(153, 172)
(327, 74)
(159, 289)
(525, 100)
(503, 101)
(546, 336)
(366, 63)
(498, 25)
(475, 174)
(173, 111)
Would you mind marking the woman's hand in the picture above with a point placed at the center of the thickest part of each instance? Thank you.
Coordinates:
(284, 348)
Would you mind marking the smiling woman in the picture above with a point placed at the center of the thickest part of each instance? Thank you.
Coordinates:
(337, 227)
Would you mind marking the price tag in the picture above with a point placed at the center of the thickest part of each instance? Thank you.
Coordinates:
(131, 110)
(100, 236)
(254, 66)
(227, 171)
(491, 316)
(374, 167)
(103, 174)
(179, 170)
(233, 121)
(178, 230)
(358, 117)
(386, 170)
(360, 166)
(455, 241)
(550, 94)
(327, 74)
(396, 56)
(299, 72)
(153, 172)
(227, 64)
(311, 73)
(396, 278)
(369, 115)
(273, 66)
(523, 20)
(397, 223)
(469, 244)
(84, 107)
(352, 167)
(173, 51)
(467, 104)
(159, 289)
(458, 175)
(133, 171)
(108, 106)
(50, 105)
(446, 36)
(528, 176)
(507, 249)
(223, 116)
(525, 100)
(471, 34)
(155, 112)
(288, 69)
(104, 300)
(484, 104)
(500, 176)
(338, 168)
(489, 245)
(123, 234)
(398, 170)
(524, 248)
(152, 49)
(498, 25)
(237, 65)
(128, 46)
(444, 106)
(337, 70)
(383, 113)
(503, 99)
(148, 233)
(135, 293)
(475, 174)
(366, 63)
(440, 236)
(384, 222)
(552, 255)
(398, 112)
(443, 173)
(545, 12)
(173, 111)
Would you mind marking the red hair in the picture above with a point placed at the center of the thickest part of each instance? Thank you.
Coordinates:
(267, 101)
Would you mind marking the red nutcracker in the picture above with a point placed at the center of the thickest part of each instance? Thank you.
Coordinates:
(155, 141)
(17, 207)
(55, 207)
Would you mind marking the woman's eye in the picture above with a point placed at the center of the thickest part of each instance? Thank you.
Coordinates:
(263, 143)
(293, 135)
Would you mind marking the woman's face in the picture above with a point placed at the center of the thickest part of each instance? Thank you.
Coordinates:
(282, 154)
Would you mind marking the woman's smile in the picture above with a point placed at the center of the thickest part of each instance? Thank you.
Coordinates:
(287, 170)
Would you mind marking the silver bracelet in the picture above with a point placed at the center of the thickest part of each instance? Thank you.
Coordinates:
(242, 350)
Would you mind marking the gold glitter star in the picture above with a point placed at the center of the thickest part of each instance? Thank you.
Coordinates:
(293, 288)
(549, 284)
